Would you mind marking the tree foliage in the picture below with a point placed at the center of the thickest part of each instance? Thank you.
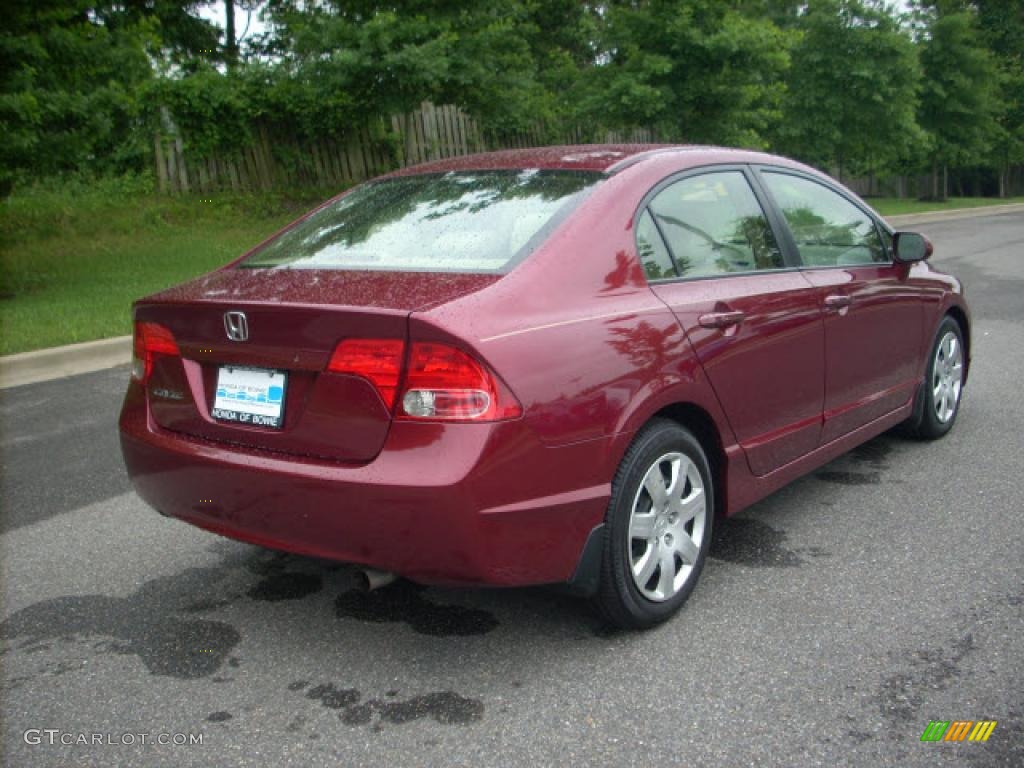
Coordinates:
(67, 86)
(72, 73)
(385, 58)
(1001, 23)
(960, 88)
(851, 91)
(853, 84)
(700, 70)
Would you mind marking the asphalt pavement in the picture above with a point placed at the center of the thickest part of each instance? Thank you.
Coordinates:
(834, 619)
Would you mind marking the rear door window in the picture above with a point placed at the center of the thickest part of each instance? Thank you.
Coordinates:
(653, 253)
(476, 221)
(714, 225)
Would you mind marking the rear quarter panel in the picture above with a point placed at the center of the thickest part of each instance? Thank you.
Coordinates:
(578, 335)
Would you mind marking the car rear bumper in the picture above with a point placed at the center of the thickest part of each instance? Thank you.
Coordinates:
(441, 504)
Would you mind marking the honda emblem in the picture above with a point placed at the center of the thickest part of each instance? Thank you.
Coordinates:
(236, 326)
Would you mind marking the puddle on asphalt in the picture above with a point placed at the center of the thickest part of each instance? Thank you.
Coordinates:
(444, 707)
(874, 452)
(157, 622)
(331, 697)
(286, 586)
(849, 478)
(746, 541)
(185, 648)
(872, 456)
(403, 602)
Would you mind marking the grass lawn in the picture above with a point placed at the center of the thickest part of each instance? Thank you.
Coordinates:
(73, 258)
(893, 206)
(71, 264)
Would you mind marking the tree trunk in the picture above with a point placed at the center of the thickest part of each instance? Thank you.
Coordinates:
(230, 43)
(935, 179)
(945, 181)
(1004, 172)
(407, 119)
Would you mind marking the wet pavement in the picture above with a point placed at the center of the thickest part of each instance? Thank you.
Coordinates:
(833, 621)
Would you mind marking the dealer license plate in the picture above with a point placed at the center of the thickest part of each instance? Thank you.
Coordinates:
(251, 396)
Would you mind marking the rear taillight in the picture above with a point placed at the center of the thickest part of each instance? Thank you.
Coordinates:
(445, 383)
(441, 382)
(151, 339)
(377, 360)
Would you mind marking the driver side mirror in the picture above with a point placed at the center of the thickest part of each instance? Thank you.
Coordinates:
(909, 247)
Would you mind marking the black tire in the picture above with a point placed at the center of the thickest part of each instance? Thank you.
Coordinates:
(618, 598)
(926, 423)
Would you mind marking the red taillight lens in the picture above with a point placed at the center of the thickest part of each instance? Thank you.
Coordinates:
(445, 383)
(151, 339)
(377, 360)
(442, 383)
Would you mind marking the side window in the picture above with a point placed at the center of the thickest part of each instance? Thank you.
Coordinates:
(829, 230)
(715, 226)
(657, 263)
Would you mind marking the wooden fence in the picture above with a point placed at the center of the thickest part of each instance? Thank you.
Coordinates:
(912, 186)
(276, 160)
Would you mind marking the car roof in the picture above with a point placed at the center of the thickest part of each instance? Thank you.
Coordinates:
(606, 158)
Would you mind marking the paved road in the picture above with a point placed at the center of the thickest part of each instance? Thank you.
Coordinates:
(834, 620)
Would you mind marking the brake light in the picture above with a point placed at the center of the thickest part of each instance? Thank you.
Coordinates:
(377, 360)
(151, 339)
(444, 383)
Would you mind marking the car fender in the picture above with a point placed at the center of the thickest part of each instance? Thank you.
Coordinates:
(951, 302)
(685, 387)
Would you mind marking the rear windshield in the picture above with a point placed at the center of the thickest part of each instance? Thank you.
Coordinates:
(476, 221)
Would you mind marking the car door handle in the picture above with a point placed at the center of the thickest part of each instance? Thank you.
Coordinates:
(837, 301)
(721, 319)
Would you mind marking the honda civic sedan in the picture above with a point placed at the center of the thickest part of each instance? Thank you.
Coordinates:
(550, 366)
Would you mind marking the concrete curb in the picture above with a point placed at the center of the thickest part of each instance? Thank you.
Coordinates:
(912, 219)
(58, 362)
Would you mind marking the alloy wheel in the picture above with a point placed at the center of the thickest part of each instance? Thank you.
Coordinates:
(947, 377)
(666, 526)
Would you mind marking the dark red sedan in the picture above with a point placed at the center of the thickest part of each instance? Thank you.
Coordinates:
(540, 366)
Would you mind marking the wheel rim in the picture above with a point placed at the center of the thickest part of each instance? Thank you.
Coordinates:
(947, 377)
(666, 526)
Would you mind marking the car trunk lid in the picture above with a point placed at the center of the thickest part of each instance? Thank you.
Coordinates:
(294, 320)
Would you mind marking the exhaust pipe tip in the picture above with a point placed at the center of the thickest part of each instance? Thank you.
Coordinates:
(371, 579)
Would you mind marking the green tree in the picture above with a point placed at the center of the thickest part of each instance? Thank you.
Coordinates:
(181, 35)
(67, 88)
(852, 90)
(698, 70)
(959, 100)
(782, 13)
(231, 49)
(71, 75)
(1002, 27)
(562, 38)
(388, 57)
